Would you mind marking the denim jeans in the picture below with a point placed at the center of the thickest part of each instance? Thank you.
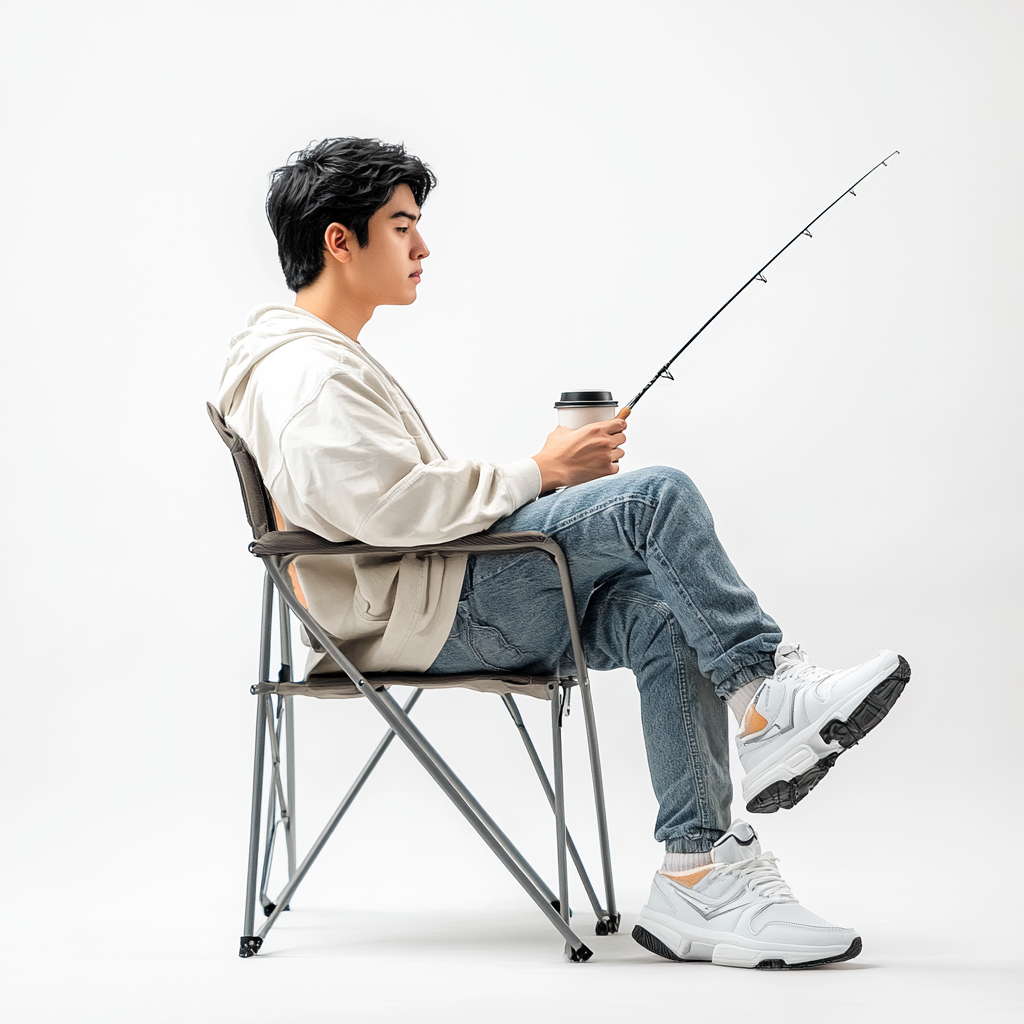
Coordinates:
(657, 595)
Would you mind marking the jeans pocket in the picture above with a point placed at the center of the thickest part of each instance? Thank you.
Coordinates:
(493, 650)
(480, 570)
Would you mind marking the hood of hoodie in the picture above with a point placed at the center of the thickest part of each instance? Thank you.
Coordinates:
(267, 328)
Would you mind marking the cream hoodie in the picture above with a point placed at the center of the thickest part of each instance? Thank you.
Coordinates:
(346, 455)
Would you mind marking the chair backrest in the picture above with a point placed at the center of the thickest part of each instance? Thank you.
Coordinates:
(259, 507)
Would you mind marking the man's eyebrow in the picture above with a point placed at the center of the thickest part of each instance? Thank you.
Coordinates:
(410, 216)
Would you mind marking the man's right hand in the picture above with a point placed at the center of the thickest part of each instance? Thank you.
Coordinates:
(575, 456)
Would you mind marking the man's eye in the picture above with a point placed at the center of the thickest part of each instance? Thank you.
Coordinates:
(403, 229)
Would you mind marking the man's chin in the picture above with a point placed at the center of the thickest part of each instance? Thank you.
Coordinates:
(405, 299)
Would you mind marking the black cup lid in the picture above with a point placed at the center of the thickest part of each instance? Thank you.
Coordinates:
(581, 399)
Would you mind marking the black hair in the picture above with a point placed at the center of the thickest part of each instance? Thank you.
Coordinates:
(344, 181)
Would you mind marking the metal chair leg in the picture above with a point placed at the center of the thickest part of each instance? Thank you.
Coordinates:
(275, 797)
(285, 675)
(556, 757)
(289, 739)
(591, 723)
(597, 777)
(282, 735)
(250, 943)
(599, 912)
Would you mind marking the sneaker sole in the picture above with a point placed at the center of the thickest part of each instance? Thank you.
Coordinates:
(728, 958)
(787, 793)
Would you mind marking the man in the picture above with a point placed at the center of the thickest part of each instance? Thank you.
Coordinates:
(345, 454)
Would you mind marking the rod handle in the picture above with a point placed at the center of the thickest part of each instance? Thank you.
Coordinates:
(623, 413)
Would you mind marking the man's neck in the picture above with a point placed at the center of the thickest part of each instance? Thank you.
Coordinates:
(334, 309)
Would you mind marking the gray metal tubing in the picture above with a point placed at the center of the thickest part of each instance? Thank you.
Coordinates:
(275, 750)
(284, 633)
(390, 711)
(268, 860)
(296, 877)
(266, 632)
(531, 750)
(556, 771)
(510, 848)
(421, 749)
(289, 739)
(285, 637)
(591, 724)
(275, 794)
(506, 843)
(265, 627)
(599, 801)
(284, 630)
(254, 819)
(272, 789)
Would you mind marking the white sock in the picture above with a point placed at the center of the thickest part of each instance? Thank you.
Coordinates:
(741, 699)
(680, 863)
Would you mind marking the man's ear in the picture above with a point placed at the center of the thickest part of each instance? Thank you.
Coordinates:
(338, 241)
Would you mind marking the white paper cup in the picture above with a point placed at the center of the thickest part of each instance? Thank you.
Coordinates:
(578, 408)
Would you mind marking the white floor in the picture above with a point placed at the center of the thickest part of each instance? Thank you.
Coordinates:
(495, 965)
(423, 925)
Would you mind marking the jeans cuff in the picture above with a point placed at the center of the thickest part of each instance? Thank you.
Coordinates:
(760, 670)
(700, 843)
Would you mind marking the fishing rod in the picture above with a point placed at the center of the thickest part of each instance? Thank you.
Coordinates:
(624, 412)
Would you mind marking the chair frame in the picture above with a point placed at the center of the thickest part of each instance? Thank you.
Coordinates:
(278, 549)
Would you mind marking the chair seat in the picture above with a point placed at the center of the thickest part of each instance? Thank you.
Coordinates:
(337, 685)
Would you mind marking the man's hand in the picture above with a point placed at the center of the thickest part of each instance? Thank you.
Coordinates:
(575, 456)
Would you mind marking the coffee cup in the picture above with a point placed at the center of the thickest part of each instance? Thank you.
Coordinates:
(578, 408)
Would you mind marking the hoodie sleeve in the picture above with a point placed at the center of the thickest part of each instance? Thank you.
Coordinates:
(352, 468)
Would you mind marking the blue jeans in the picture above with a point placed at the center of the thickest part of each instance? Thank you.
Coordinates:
(657, 595)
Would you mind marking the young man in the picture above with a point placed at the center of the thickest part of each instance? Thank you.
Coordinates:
(346, 455)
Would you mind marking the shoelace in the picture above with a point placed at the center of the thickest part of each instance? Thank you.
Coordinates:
(762, 876)
(801, 670)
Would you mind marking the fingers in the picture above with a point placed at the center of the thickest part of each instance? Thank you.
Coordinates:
(605, 427)
(613, 430)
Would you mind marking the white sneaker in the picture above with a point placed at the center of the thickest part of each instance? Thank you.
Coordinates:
(738, 912)
(804, 717)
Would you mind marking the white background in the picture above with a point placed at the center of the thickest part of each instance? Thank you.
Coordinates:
(609, 174)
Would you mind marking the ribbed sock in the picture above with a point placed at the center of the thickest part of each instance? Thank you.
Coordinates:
(739, 701)
(680, 863)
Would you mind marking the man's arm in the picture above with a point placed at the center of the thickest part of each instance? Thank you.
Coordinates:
(352, 469)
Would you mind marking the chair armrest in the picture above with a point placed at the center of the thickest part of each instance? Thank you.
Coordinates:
(293, 543)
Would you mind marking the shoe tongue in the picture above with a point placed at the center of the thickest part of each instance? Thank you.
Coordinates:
(788, 654)
(739, 843)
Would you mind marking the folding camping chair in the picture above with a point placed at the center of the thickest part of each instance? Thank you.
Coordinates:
(278, 548)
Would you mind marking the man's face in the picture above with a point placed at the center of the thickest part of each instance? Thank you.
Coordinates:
(387, 271)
